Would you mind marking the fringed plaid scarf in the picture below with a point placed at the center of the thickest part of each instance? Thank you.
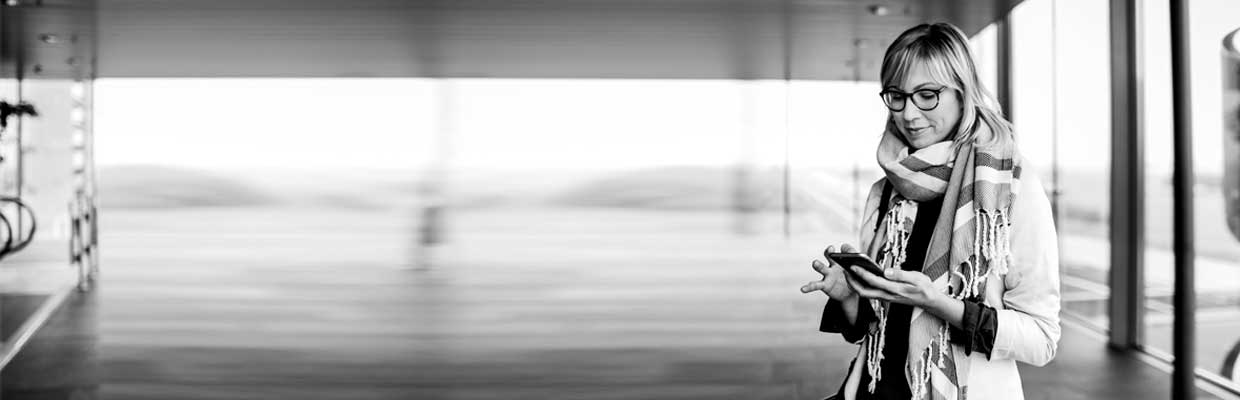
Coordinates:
(969, 242)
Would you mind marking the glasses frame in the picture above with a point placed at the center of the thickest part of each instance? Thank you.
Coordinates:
(904, 103)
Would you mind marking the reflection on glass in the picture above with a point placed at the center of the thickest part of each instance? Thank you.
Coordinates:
(1217, 263)
(1230, 366)
(1218, 252)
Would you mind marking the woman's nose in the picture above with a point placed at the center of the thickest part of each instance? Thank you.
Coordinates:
(910, 113)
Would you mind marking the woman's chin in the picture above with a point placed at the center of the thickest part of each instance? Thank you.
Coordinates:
(919, 143)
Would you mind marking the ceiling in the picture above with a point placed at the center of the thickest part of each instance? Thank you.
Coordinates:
(638, 39)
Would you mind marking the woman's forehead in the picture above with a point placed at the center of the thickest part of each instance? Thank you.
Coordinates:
(921, 73)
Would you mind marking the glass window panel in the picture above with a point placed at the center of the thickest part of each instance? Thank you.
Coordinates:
(1033, 90)
(1081, 129)
(1156, 105)
(986, 53)
(47, 159)
(834, 128)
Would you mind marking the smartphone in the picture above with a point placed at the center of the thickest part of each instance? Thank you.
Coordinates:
(848, 260)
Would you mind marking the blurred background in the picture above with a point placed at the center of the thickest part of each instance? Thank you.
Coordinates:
(556, 199)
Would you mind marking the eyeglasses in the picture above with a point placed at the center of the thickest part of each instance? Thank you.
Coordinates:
(925, 99)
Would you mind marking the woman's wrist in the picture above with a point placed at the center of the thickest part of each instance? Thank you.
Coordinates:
(850, 304)
(948, 308)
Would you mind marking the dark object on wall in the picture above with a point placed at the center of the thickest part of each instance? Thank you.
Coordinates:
(7, 110)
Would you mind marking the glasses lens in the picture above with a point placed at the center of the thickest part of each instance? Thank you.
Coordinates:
(926, 99)
(895, 101)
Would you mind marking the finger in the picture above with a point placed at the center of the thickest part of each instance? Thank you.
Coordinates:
(902, 276)
(875, 281)
(813, 286)
(829, 250)
(871, 293)
(848, 248)
(820, 267)
(894, 290)
(857, 286)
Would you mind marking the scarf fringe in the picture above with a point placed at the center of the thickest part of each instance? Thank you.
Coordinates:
(992, 252)
(898, 231)
(897, 234)
(874, 347)
(922, 374)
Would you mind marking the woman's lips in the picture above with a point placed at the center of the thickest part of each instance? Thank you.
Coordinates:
(918, 131)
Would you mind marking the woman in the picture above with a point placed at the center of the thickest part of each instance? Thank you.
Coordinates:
(963, 232)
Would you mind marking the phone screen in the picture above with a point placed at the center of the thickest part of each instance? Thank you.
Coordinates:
(847, 260)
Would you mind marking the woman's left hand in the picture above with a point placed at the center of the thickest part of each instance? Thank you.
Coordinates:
(905, 287)
(912, 288)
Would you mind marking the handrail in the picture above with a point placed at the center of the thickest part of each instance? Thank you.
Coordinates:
(22, 240)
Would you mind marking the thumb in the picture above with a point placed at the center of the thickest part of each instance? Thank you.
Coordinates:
(848, 248)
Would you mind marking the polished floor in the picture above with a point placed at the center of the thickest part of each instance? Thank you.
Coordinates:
(538, 304)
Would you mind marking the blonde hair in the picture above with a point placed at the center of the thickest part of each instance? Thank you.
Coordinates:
(945, 51)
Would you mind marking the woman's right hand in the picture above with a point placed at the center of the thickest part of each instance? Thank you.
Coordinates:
(834, 280)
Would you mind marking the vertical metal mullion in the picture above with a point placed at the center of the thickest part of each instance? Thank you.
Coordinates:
(1183, 375)
(1056, 185)
(1127, 224)
(1003, 62)
(786, 39)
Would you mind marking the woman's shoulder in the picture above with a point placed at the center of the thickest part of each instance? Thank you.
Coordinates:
(870, 212)
(876, 191)
(876, 188)
(1032, 202)
(1030, 177)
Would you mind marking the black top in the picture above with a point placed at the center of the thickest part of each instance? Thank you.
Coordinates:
(979, 320)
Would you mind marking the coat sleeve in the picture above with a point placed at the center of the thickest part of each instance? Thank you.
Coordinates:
(835, 321)
(1028, 326)
(978, 328)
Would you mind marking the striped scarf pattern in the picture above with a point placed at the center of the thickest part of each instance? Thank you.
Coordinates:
(969, 242)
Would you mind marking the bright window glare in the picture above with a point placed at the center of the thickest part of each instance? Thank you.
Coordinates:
(490, 123)
(284, 123)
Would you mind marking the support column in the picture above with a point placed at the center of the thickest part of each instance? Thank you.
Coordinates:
(1184, 299)
(1003, 60)
(1127, 223)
